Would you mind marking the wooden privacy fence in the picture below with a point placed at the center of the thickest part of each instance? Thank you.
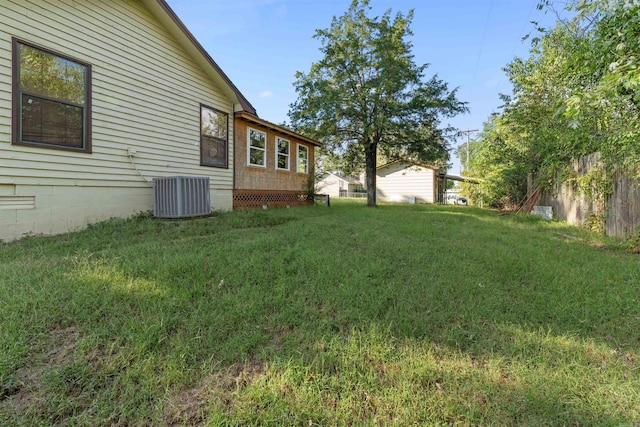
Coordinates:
(623, 215)
(243, 199)
(619, 211)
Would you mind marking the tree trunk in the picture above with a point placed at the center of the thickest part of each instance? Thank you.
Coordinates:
(370, 172)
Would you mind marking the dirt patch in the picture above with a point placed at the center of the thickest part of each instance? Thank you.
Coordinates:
(27, 391)
(216, 391)
(62, 344)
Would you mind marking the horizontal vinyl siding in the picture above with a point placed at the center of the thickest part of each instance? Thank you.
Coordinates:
(5, 84)
(406, 181)
(146, 95)
(330, 186)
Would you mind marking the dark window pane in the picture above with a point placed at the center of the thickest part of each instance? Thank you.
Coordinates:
(303, 153)
(283, 146)
(213, 152)
(51, 122)
(283, 162)
(258, 139)
(303, 159)
(256, 157)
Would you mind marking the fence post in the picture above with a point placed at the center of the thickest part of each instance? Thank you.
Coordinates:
(324, 198)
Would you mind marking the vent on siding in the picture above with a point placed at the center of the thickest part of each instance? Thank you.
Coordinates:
(17, 202)
(181, 197)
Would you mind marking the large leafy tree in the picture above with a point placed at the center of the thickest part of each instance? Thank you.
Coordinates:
(367, 94)
(609, 106)
(578, 93)
(531, 134)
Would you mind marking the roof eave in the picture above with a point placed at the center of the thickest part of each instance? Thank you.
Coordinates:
(461, 178)
(411, 162)
(252, 118)
(354, 181)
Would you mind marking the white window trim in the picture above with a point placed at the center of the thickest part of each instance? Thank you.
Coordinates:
(249, 147)
(278, 154)
(306, 168)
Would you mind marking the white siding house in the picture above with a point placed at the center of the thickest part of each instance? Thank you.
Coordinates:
(407, 181)
(136, 86)
(338, 185)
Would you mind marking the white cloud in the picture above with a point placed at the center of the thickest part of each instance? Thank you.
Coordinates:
(266, 94)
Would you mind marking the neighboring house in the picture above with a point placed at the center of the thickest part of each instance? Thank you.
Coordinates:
(273, 165)
(96, 99)
(337, 184)
(407, 181)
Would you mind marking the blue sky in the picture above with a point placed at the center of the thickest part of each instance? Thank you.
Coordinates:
(260, 44)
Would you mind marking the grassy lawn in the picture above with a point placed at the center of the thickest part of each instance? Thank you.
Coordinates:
(318, 316)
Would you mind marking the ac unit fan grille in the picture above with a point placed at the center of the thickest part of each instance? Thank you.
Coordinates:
(181, 197)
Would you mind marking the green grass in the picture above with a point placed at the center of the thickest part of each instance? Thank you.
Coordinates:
(399, 315)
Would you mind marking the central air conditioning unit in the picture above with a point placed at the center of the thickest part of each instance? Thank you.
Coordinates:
(181, 197)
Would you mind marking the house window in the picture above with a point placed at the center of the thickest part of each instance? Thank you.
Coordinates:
(303, 159)
(214, 137)
(256, 148)
(51, 99)
(282, 154)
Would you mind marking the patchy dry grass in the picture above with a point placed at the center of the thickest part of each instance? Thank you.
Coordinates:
(399, 315)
